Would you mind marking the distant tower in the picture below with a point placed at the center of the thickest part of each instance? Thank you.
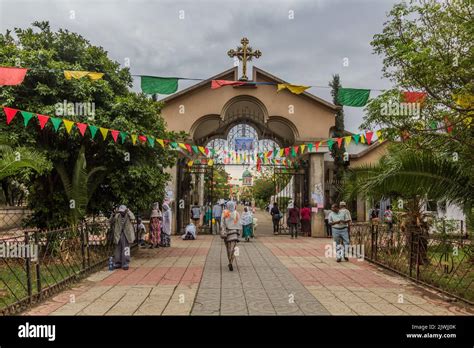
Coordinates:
(247, 178)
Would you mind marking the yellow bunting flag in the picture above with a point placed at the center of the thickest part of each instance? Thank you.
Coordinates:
(347, 139)
(68, 74)
(181, 145)
(379, 135)
(104, 132)
(210, 163)
(201, 148)
(161, 142)
(68, 124)
(281, 152)
(134, 139)
(466, 101)
(292, 88)
(362, 139)
(190, 163)
(302, 146)
(468, 122)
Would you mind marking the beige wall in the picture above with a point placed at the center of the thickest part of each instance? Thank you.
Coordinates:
(312, 119)
(371, 157)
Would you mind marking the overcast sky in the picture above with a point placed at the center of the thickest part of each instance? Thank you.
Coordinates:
(306, 49)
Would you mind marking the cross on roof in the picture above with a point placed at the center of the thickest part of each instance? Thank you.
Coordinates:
(244, 53)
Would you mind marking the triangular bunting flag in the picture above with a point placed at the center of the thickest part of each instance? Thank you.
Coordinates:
(310, 147)
(123, 135)
(161, 142)
(317, 145)
(56, 121)
(134, 139)
(142, 138)
(195, 149)
(347, 140)
(433, 124)
(43, 119)
(330, 143)
(287, 151)
(302, 146)
(189, 148)
(181, 145)
(26, 117)
(190, 163)
(93, 129)
(104, 132)
(151, 140)
(356, 138)
(201, 148)
(10, 113)
(379, 135)
(339, 142)
(368, 136)
(82, 128)
(362, 139)
(115, 134)
(68, 124)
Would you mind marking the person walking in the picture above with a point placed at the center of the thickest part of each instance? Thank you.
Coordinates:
(166, 229)
(230, 231)
(217, 214)
(293, 220)
(155, 228)
(247, 221)
(339, 223)
(343, 209)
(306, 220)
(276, 216)
(124, 234)
(326, 222)
(196, 213)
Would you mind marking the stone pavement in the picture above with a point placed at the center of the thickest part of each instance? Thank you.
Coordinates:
(274, 275)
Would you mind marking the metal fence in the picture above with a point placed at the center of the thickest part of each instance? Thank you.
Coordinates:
(36, 264)
(440, 260)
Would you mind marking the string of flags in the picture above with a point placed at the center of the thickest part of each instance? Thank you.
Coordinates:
(355, 97)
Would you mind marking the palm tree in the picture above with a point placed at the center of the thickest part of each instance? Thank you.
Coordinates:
(80, 187)
(14, 160)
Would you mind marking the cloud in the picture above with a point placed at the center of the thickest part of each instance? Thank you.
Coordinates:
(156, 38)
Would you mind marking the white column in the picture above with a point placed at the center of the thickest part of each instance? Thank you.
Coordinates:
(316, 182)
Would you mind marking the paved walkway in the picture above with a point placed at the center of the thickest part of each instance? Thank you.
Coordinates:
(273, 276)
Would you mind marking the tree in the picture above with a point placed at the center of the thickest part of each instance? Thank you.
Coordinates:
(134, 174)
(427, 46)
(221, 186)
(263, 189)
(337, 152)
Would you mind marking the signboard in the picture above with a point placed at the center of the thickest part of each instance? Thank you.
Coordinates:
(244, 144)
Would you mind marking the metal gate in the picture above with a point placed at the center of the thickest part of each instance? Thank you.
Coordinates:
(291, 188)
(194, 186)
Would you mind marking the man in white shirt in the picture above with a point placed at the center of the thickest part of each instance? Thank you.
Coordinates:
(339, 222)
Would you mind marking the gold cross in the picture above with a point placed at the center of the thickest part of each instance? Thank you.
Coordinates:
(244, 53)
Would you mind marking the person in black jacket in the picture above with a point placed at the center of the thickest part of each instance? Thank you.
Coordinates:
(276, 216)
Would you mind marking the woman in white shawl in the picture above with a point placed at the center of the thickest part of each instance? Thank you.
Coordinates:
(246, 220)
(166, 226)
(230, 230)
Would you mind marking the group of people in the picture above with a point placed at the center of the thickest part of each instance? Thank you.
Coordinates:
(123, 232)
(295, 217)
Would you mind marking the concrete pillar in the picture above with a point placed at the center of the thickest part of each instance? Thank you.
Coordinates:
(360, 209)
(173, 186)
(316, 183)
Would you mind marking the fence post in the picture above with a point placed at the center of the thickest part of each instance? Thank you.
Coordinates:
(28, 270)
(83, 250)
(38, 269)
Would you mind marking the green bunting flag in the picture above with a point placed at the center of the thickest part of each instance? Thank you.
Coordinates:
(123, 135)
(151, 141)
(56, 123)
(26, 117)
(330, 143)
(310, 147)
(356, 138)
(352, 96)
(93, 130)
(159, 85)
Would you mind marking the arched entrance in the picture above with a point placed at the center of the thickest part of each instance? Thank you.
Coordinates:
(237, 136)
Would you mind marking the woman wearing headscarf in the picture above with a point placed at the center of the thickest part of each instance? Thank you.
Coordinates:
(246, 220)
(166, 235)
(230, 230)
(123, 234)
(155, 228)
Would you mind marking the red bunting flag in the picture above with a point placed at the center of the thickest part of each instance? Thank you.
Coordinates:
(220, 83)
(287, 151)
(206, 150)
(269, 153)
(339, 142)
(316, 145)
(43, 119)
(296, 147)
(259, 164)
(189, 148)
(115, 134)
(368, 136)
(10, 113)
(449, 127)
(414, 97)
(142, 138)
(11, 76)
(82, 128)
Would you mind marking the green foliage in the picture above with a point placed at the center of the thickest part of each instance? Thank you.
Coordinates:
(134, 174)
(220, 182)
(263, 188)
